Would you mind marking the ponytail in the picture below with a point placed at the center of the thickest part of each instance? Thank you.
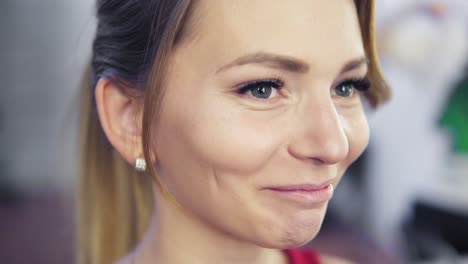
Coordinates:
(114, 201)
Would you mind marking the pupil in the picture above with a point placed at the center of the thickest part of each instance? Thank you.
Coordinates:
(262, 91)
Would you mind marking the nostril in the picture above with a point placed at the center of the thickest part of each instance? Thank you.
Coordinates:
(318, 161)
(320, 152)
(332, 153)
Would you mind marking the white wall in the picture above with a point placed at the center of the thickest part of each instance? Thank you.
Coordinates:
(410, 153)
(44, 45)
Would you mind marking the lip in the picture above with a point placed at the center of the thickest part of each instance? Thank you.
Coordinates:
(304, 194)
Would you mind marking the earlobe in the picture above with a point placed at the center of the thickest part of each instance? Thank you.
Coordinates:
(120, 117)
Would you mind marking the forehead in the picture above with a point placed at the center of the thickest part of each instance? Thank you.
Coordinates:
(323, 33)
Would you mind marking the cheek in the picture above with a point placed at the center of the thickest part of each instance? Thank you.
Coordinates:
(224, 137)
(213, 143)
(210, 157)
(236, 144)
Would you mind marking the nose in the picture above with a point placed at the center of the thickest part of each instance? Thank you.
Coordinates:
(319, 133)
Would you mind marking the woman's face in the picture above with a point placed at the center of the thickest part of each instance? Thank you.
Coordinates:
(262, 110)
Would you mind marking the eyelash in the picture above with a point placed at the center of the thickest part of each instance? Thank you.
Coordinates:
(360, 84)
(274, 82)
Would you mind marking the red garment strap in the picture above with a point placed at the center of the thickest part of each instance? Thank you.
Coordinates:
(303, 256)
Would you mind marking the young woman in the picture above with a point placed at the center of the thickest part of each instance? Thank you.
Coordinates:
(216, 131)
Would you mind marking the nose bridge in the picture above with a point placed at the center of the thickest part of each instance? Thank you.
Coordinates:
(321, 129)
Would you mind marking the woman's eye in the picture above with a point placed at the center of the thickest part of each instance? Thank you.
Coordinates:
(344, 90)
(348, 87)
(262, 89)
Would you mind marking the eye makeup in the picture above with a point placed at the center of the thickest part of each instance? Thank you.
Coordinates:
(267, 83)
(360, 84)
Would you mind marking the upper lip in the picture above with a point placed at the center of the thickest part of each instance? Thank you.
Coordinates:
(300, 187)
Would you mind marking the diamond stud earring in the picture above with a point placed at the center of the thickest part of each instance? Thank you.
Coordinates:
(140, 164)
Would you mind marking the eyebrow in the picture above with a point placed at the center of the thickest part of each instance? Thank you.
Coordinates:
(287, 63)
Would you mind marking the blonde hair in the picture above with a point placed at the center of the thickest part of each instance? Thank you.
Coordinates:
(114, 202)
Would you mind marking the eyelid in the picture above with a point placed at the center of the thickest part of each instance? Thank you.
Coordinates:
(275, 84)
(276, 81)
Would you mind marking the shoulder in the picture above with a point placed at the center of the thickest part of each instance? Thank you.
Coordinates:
(310, 256)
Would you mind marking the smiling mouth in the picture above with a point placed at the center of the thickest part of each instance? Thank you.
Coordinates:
(304, 194)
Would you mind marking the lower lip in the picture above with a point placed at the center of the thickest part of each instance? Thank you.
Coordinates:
(306, 197)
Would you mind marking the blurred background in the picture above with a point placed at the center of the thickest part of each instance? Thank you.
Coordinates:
(404, 201)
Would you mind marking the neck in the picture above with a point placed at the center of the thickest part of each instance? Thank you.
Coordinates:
(175, 236)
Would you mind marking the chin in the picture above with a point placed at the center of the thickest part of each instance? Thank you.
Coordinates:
(293, 233)
(290, 240)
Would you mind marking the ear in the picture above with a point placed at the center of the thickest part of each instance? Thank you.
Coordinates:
(121, 118)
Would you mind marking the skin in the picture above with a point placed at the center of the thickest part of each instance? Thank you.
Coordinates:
(217, 149)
